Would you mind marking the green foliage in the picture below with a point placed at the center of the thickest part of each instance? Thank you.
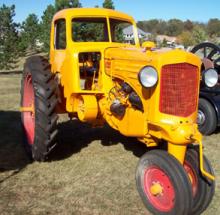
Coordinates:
(213, 27)
(188, 32)
(30, 32)
(149, 26)
(75, 3)
(188, 25)
(83, 30)
(174, 27)
(47, 17)
(186, 38)
(45, 27)
(117, 31)
(62, 4)
(164, 43)
(8, 37)
(199, 35)
(108, 4)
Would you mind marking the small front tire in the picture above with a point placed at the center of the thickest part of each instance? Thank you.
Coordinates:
(163, 184)
(203, 189)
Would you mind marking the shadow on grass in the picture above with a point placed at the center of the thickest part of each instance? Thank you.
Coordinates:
(12, 154)
(74, 136)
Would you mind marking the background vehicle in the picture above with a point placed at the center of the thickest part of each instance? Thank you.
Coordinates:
(97, 77)
(209, 103)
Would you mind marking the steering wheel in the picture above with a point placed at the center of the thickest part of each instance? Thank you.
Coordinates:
(210, 51)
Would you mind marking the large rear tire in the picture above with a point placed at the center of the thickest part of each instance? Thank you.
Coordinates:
(38, 104)
(163, 184)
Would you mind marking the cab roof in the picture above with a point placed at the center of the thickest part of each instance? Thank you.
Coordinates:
(90, 12)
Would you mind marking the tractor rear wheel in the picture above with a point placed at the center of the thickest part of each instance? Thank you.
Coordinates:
(38, 103)
(203, 190)
(163, 184)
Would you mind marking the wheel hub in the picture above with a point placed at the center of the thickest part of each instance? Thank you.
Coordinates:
(159, 189)
(156, 189)
(200, 118)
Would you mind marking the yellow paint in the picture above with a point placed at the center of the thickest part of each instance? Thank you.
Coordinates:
(87, 108)
(178, 151)
(122, 62)
(156, 189)
(148, 45)
(204, 172)
(27, 109)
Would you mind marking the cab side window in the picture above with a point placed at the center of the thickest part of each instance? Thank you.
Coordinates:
(60, 34)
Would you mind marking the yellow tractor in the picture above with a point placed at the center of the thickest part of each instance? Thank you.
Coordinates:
(97, 73)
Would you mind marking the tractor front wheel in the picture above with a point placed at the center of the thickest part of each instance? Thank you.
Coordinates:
(38, 103)
(203, 190)
(163, 184)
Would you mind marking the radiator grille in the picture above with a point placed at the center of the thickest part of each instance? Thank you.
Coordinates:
(179, 89)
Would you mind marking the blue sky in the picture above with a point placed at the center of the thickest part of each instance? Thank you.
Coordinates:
(196, 10)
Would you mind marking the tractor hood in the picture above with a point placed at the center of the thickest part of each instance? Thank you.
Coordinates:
(125, 53)
(124, 62)
(138, 55)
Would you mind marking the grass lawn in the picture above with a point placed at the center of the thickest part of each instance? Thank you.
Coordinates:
(92, 171)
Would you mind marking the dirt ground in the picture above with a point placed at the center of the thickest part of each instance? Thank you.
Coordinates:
(91, 172)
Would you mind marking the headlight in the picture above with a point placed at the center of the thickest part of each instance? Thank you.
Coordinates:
(210, 77)
(148, 76)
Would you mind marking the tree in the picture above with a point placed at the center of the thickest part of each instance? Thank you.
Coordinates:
(186, 39)
(149, 26)
(174, 27)
(188, 25)
(62, 4)
(30, 34)
(75, 4)
(213, 27)
(161, 27)
(45, 27)
(154, 26)
(108, 4)
(8, 37)
(47, 17)
(199, 35)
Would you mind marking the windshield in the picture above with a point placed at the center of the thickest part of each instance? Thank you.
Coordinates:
(96, 30)
(122, 31)
(90, 30)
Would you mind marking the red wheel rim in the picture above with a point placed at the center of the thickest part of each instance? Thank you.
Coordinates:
(163, 201)
(29, 116)
(192, 176)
